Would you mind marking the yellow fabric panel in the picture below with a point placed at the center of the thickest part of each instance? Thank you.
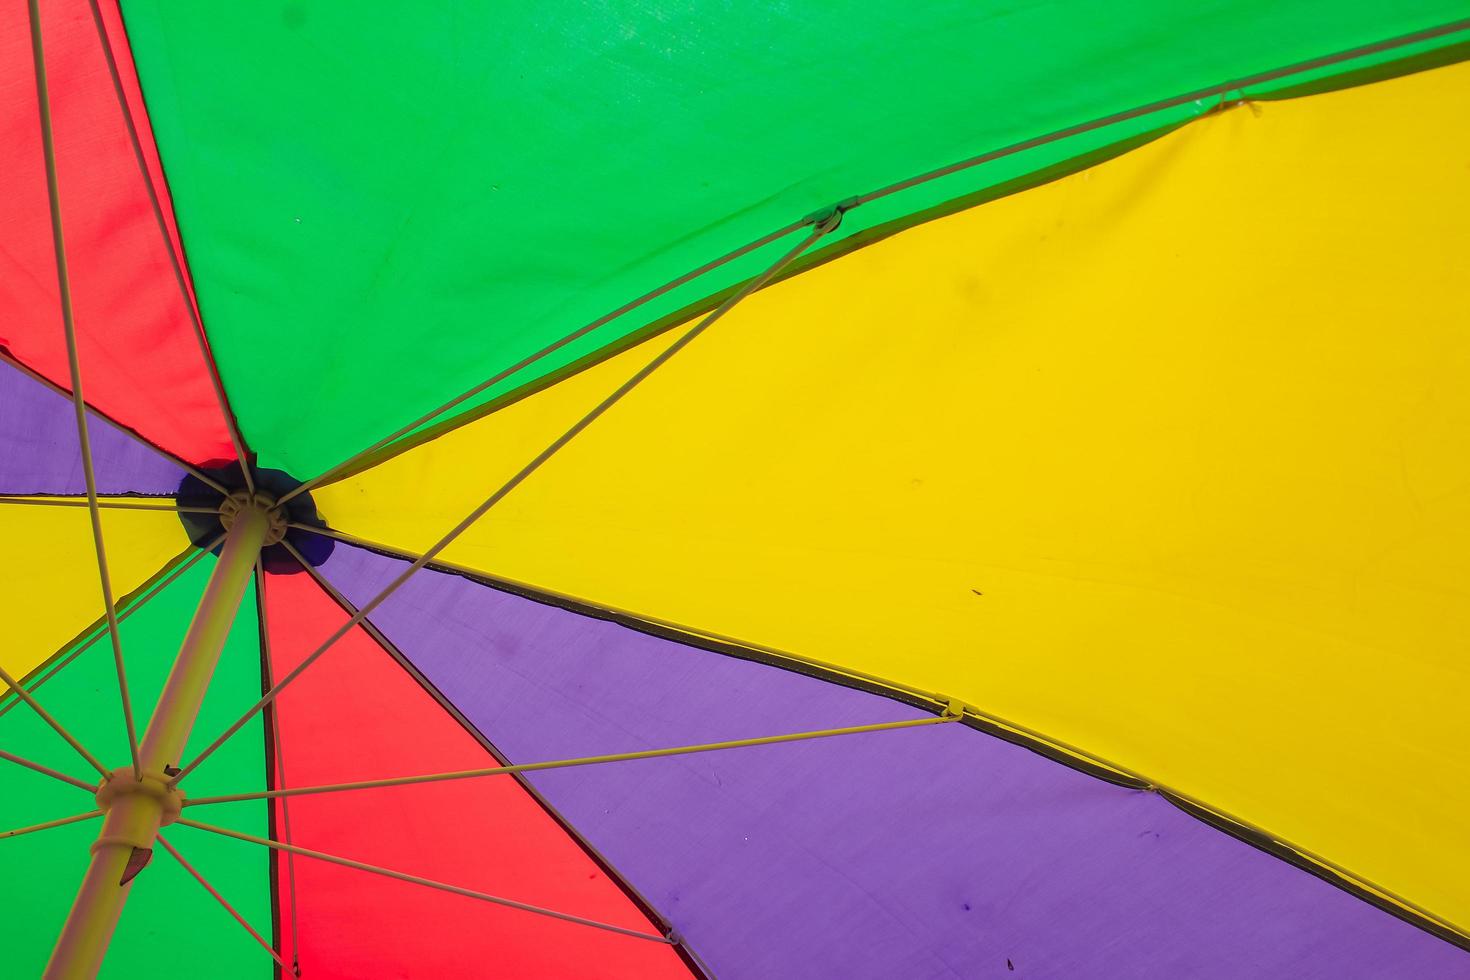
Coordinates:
(49, 588)
(1169, 459)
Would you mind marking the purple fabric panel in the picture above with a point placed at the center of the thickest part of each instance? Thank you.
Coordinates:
(40, 452)
(931, 852)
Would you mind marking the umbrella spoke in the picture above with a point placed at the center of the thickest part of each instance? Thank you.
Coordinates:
(594, 760)
(62, 822)
(46, 771)
(823, 224)
(194, 873)
(63, 282)
(426, 882)
(330, 532)
(47, 717)
(237, 440)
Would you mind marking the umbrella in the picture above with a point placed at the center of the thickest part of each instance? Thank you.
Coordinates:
(667, 489)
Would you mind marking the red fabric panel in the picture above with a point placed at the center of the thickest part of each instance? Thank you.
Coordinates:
(140, 360)
(357, 714)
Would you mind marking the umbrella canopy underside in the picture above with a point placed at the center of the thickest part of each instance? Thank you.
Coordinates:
(1133, 458)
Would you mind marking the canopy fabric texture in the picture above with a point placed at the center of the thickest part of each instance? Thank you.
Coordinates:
(1035, 436)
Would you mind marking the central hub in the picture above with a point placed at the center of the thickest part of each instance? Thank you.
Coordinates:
(214, 500)
(231, 507)
(136, 809)
(122, 788)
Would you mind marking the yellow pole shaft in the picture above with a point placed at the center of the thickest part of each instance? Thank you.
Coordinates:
(134, 817)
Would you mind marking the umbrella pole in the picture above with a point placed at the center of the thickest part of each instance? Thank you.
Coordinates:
(136, 809)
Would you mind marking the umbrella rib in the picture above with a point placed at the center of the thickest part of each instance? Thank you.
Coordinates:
(58, 242)
(426, 882)
(823, 225)
(62, 822)
(180, 569)
(280, 757)
(47, 771)
(595, 760)
(680, 633)
(552, 348)
(237, 439)
(42, 501)
(643, 623)
(47, 717)
(1213, 91)
(194, 873)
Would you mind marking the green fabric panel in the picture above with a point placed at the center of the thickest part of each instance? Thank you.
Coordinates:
(168, 913)
(384, 204)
